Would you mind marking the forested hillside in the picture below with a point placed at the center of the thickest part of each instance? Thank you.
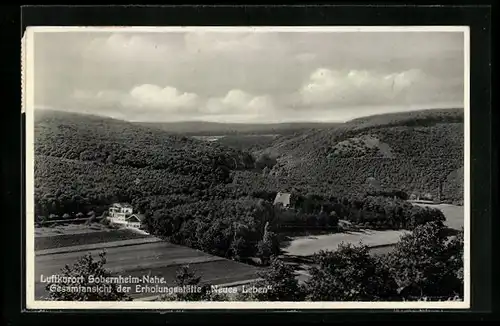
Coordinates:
(89, 138)
(85, 162)
(217, 196)
(200, 128)
(418, 152)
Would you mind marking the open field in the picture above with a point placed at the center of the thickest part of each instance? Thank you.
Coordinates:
(151, 258)
(86, 238)
(98, 246)
(69, 228)
(308, 245)
(381, 241)
(454, 214)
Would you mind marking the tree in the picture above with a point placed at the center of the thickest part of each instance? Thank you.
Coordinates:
(333, 219)
(349, 274)
(187, 279)
(265, 160)
(264, 251)
(269, 245)
(280, 282)
(239, 247)
(83, 271)
(455, 252)
(424, 264)
(41, 219)
(91, 217)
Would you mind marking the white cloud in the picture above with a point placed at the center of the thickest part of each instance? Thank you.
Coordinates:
(147, 96)
(271, 75)
(326, 86)
(168, 97)
(237, 105)
(239, 102)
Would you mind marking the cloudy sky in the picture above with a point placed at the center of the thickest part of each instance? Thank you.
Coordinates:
(247, 77)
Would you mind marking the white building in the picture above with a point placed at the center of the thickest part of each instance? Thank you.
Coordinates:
(120, 211)
(122, 214)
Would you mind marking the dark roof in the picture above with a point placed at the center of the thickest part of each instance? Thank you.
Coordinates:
(139, 217)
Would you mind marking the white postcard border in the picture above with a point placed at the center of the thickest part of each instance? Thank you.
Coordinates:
(28, 108)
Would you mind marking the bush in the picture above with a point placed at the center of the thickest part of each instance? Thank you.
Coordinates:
(187, 277)
(280, 282)
(424, 263)
(349, 274)
(82, 270)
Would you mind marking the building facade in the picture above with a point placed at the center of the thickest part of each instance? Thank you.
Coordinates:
(122, 214)
(120, 211)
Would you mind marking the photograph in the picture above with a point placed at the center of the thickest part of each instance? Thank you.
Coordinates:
(247, 167)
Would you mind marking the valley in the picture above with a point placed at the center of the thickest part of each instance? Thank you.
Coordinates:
(212, 193)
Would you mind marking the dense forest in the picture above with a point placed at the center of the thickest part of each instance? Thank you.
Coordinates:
(84, 163)
(419, 152)
(239, 228)
(116, 142)
(227, 228)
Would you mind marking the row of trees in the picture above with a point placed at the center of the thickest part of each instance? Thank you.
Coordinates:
(373, 212)
(191, 211)
(425, 265)
(249, 227)
(227, 228)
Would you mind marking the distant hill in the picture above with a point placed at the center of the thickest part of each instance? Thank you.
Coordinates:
(313, 140)
(83, 162)
(105, 140)
(418, 152)
(203, 128)
(411, 118)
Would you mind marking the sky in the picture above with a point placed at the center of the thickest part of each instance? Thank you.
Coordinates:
(254, 77)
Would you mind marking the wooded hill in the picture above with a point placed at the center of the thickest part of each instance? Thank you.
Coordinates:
(85, 162)
(417, 152)
(203, 128)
